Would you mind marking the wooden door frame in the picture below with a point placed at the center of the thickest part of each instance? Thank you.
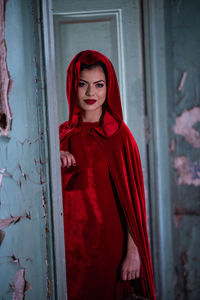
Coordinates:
(155, 70)
(59, 280)
(154, 39)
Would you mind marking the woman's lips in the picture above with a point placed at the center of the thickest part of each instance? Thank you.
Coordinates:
(90, 101)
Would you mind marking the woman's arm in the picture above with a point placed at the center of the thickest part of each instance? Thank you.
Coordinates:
(131, 264)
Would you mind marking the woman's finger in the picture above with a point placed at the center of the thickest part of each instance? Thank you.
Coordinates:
(68, 160)
(137, 274)
(133, 275)
(73, 160)
(64, 161)
(129, 275)
(124, 275)
(61, 162)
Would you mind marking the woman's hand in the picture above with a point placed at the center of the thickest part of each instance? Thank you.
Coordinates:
(131, 266)
(67, 159)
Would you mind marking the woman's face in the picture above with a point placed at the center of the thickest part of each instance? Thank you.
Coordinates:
(92, 89)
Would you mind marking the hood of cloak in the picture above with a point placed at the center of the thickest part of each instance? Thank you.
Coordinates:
(112, 108)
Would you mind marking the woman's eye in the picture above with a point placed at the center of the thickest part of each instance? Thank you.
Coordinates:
(99, 85)
(81, 84)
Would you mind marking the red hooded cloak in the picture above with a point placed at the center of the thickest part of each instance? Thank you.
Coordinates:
(120, 151)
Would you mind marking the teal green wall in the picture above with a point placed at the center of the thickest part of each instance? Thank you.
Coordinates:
(183, 60)
(23, 154)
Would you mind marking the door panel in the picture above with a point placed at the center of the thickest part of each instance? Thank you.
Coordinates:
(89, 32)
(114, 29)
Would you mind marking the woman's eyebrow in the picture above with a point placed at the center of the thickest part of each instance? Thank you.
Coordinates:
(94, 81)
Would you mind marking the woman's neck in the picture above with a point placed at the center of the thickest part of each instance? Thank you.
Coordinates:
(90, 116)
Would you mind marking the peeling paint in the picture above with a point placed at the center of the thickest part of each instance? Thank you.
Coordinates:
(184, 260)
(2, 171)
(5, 79)
(46, 232)
(172, 146)
(20, 285)
(2, 235)
(44, 201)
(29, 141)
(25, 159)
(181, 84)
(183, 109)
(184, 126)
(177, 219)
(48, 288)
(7, 222)
(23, 174)
(182, 276)
(181, 212)
(180, 100)
(14, 259)
(188, 172)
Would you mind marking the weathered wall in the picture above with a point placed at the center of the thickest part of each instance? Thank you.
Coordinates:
(5, 81)
(23, 163)
(183, 57)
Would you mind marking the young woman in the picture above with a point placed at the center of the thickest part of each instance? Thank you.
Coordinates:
(103, 191)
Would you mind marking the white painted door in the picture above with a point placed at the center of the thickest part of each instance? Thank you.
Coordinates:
(113, 28)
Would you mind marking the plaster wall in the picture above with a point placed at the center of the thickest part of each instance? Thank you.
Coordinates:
(24, 260)
(183, 58)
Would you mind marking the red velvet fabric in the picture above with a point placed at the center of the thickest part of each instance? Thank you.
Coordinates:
(122, 168)
(94, 225)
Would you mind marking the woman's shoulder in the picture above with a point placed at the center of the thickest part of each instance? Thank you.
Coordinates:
(64, 126)
(124, 140)
(63, 130)
(126, 132)
(127, 139)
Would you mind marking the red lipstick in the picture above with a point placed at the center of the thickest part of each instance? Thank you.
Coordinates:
(90, 101)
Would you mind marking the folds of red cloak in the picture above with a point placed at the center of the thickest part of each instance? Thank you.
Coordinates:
(126, 170)
(122, 155)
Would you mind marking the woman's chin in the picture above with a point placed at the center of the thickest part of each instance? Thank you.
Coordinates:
(88, 108)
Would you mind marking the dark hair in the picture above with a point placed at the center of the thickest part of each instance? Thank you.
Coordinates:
(94, 65)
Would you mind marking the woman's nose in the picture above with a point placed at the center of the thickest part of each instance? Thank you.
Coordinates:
(90, 91)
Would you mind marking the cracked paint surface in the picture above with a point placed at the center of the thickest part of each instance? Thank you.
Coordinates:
(181, 84)
(181, 212)
(5, 79)
(24, 164)
(6, 222)
(1, 176)
(184, 143)
(2, 235)
(184, 126)
(20, 285)
(188, 172)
